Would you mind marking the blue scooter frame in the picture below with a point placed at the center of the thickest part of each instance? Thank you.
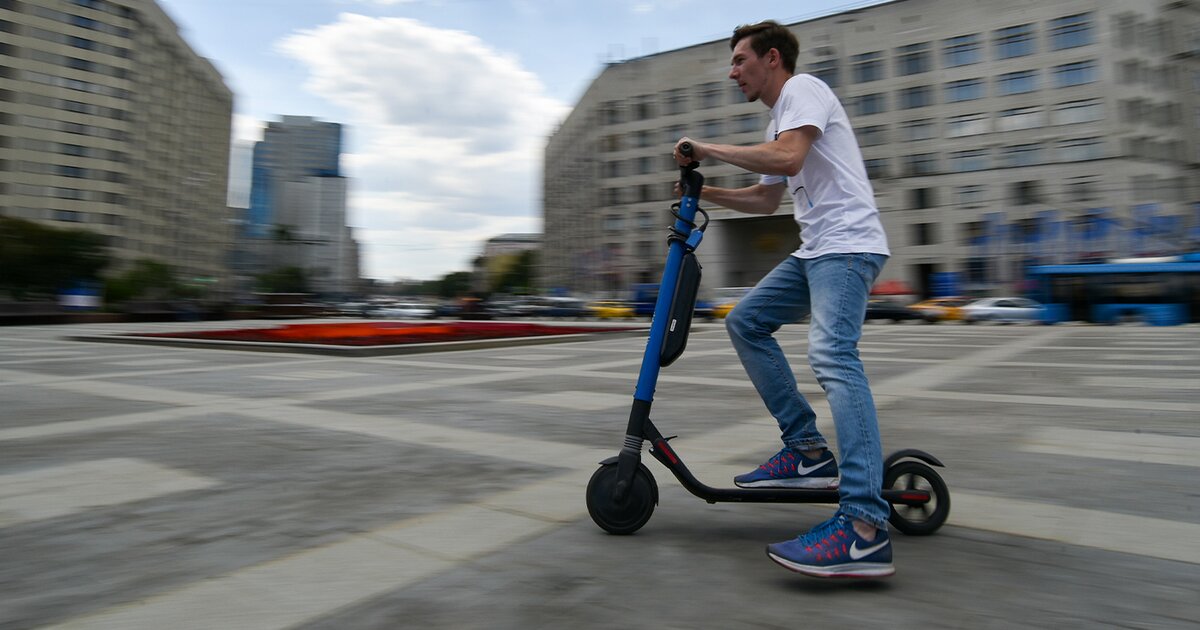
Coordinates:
(622, 493)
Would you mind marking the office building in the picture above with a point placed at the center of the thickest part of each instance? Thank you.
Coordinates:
(996, 136)
(298, 204)
(110, 122)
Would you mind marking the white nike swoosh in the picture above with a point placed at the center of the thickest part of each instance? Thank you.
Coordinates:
(804, 470)
(859, 554)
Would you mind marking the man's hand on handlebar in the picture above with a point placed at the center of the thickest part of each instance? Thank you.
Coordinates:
(698, 152)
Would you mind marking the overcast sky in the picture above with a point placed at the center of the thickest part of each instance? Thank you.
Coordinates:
(446, 103)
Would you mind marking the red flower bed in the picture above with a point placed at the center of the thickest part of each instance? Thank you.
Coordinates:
(385, 333)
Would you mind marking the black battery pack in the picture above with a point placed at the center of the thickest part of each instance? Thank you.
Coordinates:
(683, 305)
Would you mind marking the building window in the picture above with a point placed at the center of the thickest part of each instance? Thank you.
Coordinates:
(643, 108)
(1071, 31)
(1080, 149)
(735, 94)
(977, 268)
(1021, 155)
(710, 128)
(710, 95)
(610, 113)
(920, 96)
(961, 51)
(924, 233)
(745, 123)
(876, 168)
(1020, 118)
(920, 164)
(966, 125)
(1025, 193)
(1016, 83)
(921, 198)
(675, 102)
(1126, 30)
(1014, 41)
(614, 222)
(613, 169)
(912, 59)
(965, 90)
(644, 165)
(868, 104)
(1077, 73)
(872, 136)
(1082, 188)
(968, 161)
(867, 67)
(969, 195)
(825, 70)
(922, 129)
(1078, 112)
(672, 134)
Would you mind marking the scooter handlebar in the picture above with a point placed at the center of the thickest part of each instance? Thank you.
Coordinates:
(685, 149)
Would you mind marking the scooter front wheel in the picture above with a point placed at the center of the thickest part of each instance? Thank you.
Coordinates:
(628, 515)
(926, 518)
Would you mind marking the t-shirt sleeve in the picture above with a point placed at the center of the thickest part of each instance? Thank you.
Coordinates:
(803, 103)
(771, 180)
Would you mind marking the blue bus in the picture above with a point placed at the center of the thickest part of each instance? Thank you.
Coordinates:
(1158, 291)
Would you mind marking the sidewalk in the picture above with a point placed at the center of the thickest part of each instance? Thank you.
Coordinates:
(148, 487)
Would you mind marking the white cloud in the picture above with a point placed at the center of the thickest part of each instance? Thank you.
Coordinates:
(247, 129)
(447, 136)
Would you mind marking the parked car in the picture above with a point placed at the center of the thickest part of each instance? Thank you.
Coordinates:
(727, 298)
(1002, 309)
(941, 309)
(888, 310)
(353, 309)
(403, 310)
(564, 307)
(611, 309)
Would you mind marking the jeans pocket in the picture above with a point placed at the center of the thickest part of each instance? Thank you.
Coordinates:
(868, 266)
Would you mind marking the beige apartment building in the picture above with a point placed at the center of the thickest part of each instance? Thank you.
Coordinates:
(996, 135)
(110, 122)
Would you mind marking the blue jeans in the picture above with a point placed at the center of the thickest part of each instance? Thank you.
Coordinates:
(833, 289)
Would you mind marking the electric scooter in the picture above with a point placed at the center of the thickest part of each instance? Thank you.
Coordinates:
(622, 493)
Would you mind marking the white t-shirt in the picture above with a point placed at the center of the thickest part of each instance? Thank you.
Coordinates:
(833, 199)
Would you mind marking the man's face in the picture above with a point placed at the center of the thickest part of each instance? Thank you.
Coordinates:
(748, 69)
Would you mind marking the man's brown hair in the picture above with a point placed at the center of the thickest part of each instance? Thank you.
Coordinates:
(766, 35)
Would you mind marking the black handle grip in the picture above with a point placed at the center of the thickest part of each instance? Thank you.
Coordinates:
(685, 149)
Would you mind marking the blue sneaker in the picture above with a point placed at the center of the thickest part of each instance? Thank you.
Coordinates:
(789, 468)
(834, 549)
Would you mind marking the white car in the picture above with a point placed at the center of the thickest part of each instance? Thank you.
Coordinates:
(1002, 309)
(404, 310)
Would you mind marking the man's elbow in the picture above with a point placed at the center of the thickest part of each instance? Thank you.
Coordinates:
(793, 165)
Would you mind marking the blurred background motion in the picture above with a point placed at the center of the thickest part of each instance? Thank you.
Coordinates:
(1031, 150)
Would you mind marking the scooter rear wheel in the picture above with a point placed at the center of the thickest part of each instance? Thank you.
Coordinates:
(629, 515)
(924, 519)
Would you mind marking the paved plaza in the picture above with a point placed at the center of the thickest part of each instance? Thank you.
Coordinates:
(173, 488)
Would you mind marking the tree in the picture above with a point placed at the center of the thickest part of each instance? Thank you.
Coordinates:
(284, 280)
(517, 277)
(38, 259)
(455, 284)
(147, 279)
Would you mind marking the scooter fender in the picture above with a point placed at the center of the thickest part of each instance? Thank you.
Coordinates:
(912, 453)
